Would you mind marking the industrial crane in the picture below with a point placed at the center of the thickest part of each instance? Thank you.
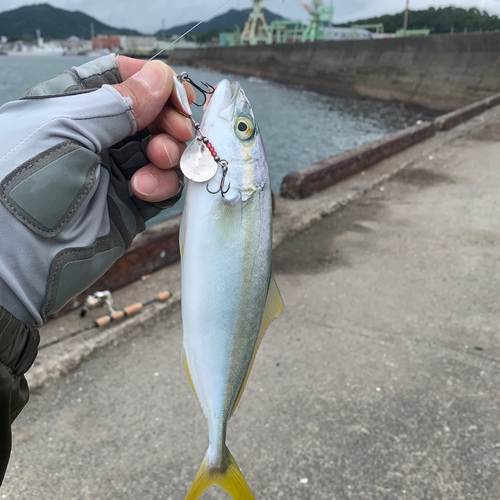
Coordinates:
(320, 14)
(256, 30)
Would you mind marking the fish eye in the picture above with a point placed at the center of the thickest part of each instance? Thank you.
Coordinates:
(244, 128)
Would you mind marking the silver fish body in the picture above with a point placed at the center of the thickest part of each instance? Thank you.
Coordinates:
(228, 294)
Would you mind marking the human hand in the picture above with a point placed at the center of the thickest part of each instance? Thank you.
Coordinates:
(149, 88)
(80, 174)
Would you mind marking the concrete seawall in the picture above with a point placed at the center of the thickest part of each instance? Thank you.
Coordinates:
(441, 72)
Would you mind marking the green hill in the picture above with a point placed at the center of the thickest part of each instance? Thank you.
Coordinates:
(53, 23)
(441, 20)
(227, 21)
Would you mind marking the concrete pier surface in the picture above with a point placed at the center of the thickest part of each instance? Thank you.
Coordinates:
(382, 381)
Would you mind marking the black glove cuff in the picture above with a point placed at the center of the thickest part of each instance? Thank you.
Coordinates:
(130, 155)
(18, 344)
(18, 349)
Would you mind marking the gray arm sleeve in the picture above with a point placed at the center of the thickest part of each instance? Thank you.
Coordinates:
(67, 152)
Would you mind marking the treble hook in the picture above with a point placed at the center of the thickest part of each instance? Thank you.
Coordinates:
(184, 77)
(223, 164)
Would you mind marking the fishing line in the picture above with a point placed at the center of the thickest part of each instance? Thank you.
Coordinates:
(189, 31)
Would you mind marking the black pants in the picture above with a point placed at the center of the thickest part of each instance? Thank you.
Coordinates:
(18, 350)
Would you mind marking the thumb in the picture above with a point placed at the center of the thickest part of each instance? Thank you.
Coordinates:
(149, 90)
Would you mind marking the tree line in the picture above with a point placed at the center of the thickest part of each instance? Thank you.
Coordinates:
(441, 20)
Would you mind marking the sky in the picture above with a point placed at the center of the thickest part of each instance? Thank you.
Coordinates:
(147, 16)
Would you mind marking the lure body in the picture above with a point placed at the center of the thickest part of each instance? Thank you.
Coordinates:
(228, 294)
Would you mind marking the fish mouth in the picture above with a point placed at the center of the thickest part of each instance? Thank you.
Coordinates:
(222, 102)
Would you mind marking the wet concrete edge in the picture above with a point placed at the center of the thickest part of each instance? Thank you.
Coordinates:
(321, 175)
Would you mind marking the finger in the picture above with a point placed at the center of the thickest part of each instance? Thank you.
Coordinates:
(128, 66)
(171, 122)
(149, 90)
(153, 184)
(164, 151)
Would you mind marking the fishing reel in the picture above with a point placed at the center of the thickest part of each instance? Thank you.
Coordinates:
(96, 300)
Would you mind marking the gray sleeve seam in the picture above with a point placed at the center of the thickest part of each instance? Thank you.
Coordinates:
(124, 112)
(81, 82)
(77, 77)
(66, 219)
(5, 185)
(84, 80)
(57, 265)
(66, 93)
(70, 214)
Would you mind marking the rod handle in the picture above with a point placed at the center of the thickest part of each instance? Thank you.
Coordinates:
(163, 296)
(133, 309)
(103, 321)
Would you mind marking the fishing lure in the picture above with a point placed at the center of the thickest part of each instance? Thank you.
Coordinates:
(200, 161)
(196, 163)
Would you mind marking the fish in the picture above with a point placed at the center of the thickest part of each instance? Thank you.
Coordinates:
(229, 296)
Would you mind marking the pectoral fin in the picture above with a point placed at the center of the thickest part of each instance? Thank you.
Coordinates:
(273, 310)
(227, 217)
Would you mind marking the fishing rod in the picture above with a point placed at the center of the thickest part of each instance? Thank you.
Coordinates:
(109, 318)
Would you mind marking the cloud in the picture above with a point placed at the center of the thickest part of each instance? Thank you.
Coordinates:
(147, 16)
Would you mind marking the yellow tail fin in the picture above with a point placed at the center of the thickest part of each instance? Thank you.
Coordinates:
(230, 480)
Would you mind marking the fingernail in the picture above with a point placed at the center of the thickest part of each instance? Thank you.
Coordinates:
(153, 75)
(145, 183)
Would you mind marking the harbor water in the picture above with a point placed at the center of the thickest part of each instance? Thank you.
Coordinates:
(298, 127)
